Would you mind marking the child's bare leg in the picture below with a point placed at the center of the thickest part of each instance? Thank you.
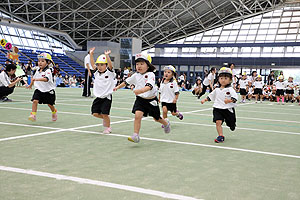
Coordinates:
(165, 112)
(106, 120)
(162, 121)
(34, 105)
(51, 107)
(219, 127)
(137, 121)
(98, 115)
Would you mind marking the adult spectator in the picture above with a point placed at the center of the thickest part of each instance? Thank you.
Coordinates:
(271, 78)
(7, 84)
(126, 72)
(209, 81)
(87, 76)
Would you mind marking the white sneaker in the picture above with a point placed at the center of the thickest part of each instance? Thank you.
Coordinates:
(134, 138)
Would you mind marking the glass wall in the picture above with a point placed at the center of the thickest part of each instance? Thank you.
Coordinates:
(33, 40)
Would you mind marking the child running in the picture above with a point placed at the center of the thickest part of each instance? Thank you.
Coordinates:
(258, 88)
(146, 102)
(168, 93)
(104, 84)
(280, 86)
(43, 82)
(225, 99)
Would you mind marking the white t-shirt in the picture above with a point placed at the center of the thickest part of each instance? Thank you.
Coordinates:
(243, 84)
(41, 85)
(126, 72)
(87, 60)
(218, 96)
(279, 85)
(290, 85)
(4, 79)
(104, 84)
(258, 84)
(250, 90)
(168, 91)
(210, 77)
(141, 80)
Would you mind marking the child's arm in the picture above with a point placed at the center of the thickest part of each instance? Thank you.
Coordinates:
(159, 97)
(205, 100)
(176, 97)
(123, 84)
(109, 63)
(142, 90)
(92, 60)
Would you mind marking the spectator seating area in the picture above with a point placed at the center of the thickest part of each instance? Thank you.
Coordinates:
(66, 64)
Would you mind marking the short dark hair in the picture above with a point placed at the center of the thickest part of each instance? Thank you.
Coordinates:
(10, 67)
(225, 75)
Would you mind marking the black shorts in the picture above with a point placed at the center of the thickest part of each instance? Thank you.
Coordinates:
(289, 91)
(101, 106)
(170, 106)
(44, 97)
(258, 91)
(147, 106)
(243, 91)
(280, 92)
(225, 115)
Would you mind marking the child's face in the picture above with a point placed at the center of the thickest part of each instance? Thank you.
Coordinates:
(101, 67)
(290, 79)
(258, 79)
(280, 80)
(244, 77)
(168, 74)
(42, 63)
(141, 67)
(224, 80)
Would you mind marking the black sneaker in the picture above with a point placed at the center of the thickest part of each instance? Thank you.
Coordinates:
(5, 99)
(219, 139)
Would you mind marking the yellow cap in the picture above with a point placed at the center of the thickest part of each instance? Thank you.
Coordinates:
(46, 56)
(259, 76)
(101, 59)
(170, 67)
(244, 74)
(144, 56)
(225, 70)
(280, 77)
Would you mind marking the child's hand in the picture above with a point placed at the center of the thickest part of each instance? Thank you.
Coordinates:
(29, 86)
(132, 87)
(202, 101)
(227, 101)
(175, 100)
(115, 89)
(92, 50)
(107, 52)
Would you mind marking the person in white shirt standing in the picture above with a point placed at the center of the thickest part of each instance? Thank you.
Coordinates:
(7, 85)
(169, 92)
(146, 102)
(209, 81)
(258, 88)
(43, 82)
(243, 87)
(88, 75)
(290, 86)
(280, 87)
(104, 84)
(224, 99)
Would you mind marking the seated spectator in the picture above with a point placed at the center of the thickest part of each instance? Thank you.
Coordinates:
(7, 84)
(59, 81)
(66, 81)
(80, 82)
(73, 81)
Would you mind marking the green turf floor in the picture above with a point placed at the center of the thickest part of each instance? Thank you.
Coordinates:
(260, 160)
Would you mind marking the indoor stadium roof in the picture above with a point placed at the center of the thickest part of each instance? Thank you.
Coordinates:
(152, 21)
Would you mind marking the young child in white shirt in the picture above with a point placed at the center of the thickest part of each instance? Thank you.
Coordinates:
(169, 92)
(146, 102)
(243, 85)
(258, 87)
(280, 87)
(224, 99)
(44, 84)
(290, 86)
(104, 84)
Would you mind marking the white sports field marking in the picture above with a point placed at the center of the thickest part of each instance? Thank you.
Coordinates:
(56, 130)
(277, 113)
(96, 182)
(238, 128)
(153, 139)
(71, 113)
(198, 144)
(257, 119)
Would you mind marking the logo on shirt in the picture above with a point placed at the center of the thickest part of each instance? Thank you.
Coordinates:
(227, 93)
(171, 86)
(146, 76)
(106, 76)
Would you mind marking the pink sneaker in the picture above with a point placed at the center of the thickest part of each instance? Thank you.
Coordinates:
(54, 116)
(107, 130)
(32, 117)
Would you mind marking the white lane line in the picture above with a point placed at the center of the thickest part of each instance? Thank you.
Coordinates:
(238, 128)
(154, 139)
(264, 112)
(56, 130)
(257, 119)
(196, 144)
(96, 182)
(71, 113)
